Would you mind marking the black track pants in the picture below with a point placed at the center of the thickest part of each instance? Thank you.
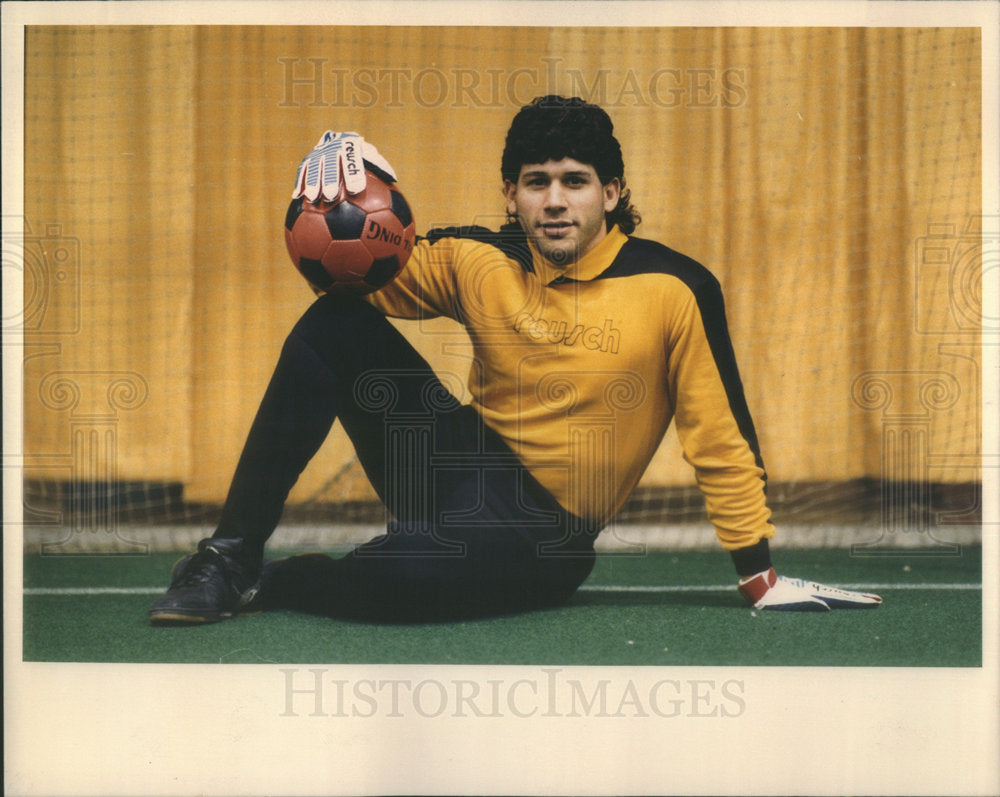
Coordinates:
(472, 533)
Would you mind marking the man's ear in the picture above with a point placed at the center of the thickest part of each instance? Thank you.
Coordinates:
(509, 191)
(612, 191)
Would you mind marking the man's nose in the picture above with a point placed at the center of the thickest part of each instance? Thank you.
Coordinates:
(555, 196)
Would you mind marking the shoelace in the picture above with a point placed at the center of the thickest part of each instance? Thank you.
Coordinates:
(200, 568)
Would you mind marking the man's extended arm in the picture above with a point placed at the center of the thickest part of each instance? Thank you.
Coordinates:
(719, 440)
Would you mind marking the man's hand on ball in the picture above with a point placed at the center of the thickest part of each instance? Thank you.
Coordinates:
(768, 590)
(336, 157)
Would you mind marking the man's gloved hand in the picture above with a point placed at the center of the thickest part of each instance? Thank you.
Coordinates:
(768, 590)
(339, 156)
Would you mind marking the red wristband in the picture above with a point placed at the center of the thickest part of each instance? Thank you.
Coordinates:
(755, 587)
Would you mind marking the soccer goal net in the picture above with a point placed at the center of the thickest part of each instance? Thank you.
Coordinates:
(831, 178)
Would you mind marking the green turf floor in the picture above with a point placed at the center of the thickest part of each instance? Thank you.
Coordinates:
(613, 620)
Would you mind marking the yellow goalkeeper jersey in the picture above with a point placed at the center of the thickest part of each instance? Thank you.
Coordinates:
(581, 370)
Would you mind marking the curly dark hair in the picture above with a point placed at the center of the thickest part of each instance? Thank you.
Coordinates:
(554, 127)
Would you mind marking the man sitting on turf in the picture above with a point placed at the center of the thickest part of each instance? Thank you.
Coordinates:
(587, 343)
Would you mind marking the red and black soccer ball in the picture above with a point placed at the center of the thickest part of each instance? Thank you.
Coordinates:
(355, 244)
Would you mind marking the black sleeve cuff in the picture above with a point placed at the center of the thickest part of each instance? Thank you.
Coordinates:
(753, 559)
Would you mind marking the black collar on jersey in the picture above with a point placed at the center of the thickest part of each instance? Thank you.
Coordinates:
(643, 256)
(510, 240)
(637, 256)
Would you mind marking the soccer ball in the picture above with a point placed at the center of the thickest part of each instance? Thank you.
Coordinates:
(355, 244)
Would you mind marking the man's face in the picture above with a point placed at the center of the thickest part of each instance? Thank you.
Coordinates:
(561, 206)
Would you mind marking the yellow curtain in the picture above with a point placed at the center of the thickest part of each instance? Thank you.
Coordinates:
(830, 177)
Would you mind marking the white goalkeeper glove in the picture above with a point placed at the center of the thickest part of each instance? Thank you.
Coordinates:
(336, 157)
(768, 590)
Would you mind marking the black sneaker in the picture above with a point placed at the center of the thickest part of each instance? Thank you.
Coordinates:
(211, 585)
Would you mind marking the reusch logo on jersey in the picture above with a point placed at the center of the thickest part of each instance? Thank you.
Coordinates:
(604, 338)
